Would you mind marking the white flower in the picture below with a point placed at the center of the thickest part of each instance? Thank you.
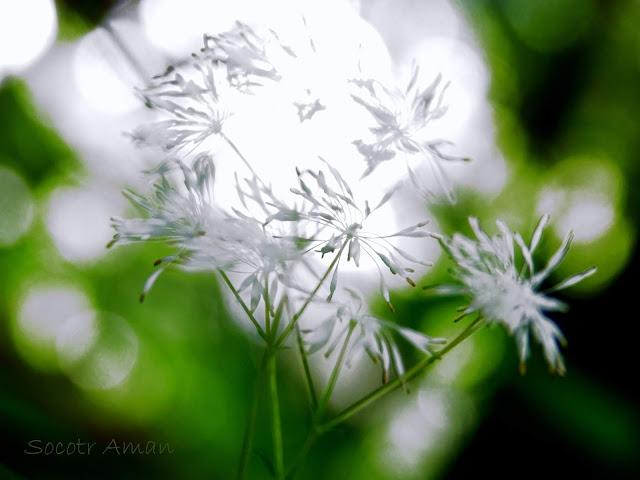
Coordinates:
(199, 96)
(197, 102)
(401, 118)
(206, 237)
(372, 334)
(173, 214)
(336, 222)
(251, 57)
(504, 293)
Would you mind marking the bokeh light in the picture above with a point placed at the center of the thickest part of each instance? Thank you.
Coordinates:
(27, 30)
(177, 27)
(103, 76)
(588, 217)
(419, 432)
(462, 65)
(584, 194)
(97, 350)
(43, 312)
(78, 220)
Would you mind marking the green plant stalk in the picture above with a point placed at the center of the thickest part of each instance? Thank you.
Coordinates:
(299, 313)
(318, 430)
(334, 374)
(397, 382)
(277, 426)
(267, 311)
(261, 332)
(307, 371)
(304, 451)
(251, 425)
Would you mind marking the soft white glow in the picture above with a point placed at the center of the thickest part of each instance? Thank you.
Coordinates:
(103, 76)
(589, 217)
(176, 27)
(27, 30)
(487, 171)
(16, 207)
(462, 66)
(78, 221)
(453, 364)
(273, 125)
(410, 440)
(493, 177)
(97, 350)
(550, 201)
(270, 134)
(44, 311)
(76, 337)
(418, 428)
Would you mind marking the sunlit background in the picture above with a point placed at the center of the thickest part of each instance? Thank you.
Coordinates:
(544, 97)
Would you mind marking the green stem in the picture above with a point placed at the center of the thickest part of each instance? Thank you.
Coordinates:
(295, 318)
(261, 332)
(334, 374)
(267, 311)
(314, 433)
(307, 371)
(277, 426)
(408, 376)
(251, 426)
(306, 446)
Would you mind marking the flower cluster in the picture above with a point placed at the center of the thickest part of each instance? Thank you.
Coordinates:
(206, 237)
(283, 252)
(332, 210)
(250, 57)
(263, 239)
(401, 117)
(199, 97)
(504, 293)
(367, 333)
(196, 101)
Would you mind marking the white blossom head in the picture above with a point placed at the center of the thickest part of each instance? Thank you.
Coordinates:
(373, 335)
(251, 56)
(207, 238)
(503, 292)
(401, 118)
(173, 213)
(195, 100)
(336, 222)
(199, 96)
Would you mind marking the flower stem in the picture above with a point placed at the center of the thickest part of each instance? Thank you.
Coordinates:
(277, 426)
(398, 381)
(267, 312)
(304, 451)
(299, 313)
(334, 374)
(126, 51)
(251, 426)
(261, 332)
(307, 371)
